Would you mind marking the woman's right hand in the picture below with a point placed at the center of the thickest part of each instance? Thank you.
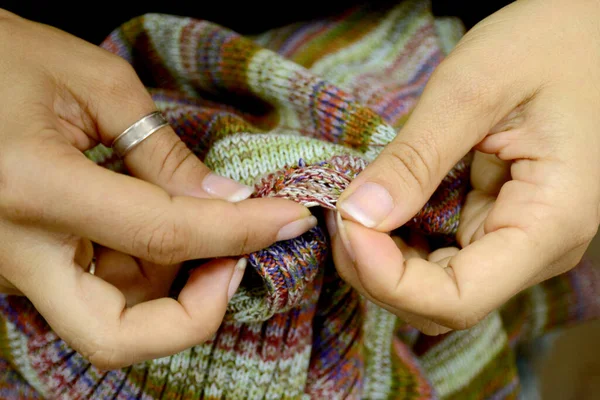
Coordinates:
(60, 96)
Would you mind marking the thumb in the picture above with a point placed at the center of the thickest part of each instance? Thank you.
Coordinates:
(459, 106)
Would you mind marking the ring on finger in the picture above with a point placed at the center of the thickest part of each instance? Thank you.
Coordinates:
(138, 132)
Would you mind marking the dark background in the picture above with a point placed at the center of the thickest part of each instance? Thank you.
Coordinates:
(93, 21)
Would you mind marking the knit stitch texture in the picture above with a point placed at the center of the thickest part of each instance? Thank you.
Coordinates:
(298, 112)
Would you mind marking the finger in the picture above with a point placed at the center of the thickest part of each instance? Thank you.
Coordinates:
(163, 158)
(100, 94)
(345, 267)
(456, 297)
(341, 258)
(517, 246)
(489, 173)
(442, 256)
(462, 101)
(475, 211)
(140, 219)
(138, 280)
(408, 251)
(84, 253)
(519, 243)
(416, 246)
(6, 287)
(92, 316)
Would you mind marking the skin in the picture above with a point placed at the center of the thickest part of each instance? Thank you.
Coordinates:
(60, 96)
(523, 89)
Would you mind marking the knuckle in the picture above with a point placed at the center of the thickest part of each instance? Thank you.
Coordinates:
(7, 23)
(104, 359)
(464, 86)
(6, 15)
(110, 359)
(121, 69)
(204, 328)
(417, 162)
(19, 209)
(165, 244)
(243, 234)
(15, 205)
(118, 77)
(177, 155)
(102, 352)
(465, 319)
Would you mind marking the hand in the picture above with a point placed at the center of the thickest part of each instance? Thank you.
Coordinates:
(522, 88)
(59, 96)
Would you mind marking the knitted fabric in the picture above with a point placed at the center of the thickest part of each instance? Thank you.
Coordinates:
(298, 112)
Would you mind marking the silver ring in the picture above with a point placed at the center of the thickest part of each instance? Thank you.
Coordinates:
(92, 267)
(138, 132)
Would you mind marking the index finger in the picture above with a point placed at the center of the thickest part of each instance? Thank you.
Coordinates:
(141, 219)
(92, 317)
(475, 281)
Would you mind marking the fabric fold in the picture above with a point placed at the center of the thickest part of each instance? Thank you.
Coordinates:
(298, 112)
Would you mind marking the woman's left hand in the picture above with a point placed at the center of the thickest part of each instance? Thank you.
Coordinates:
(523, 88)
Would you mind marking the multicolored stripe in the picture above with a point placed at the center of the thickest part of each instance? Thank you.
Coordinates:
(298, 112)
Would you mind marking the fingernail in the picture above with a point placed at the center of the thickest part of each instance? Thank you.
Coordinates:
(369, 204)
(225, 188)
(236, 278)
(296, 228)
(344, 236)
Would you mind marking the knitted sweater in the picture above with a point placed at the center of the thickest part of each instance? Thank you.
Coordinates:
(298, 112)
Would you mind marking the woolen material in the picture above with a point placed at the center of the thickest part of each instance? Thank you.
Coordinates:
(298, 112)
